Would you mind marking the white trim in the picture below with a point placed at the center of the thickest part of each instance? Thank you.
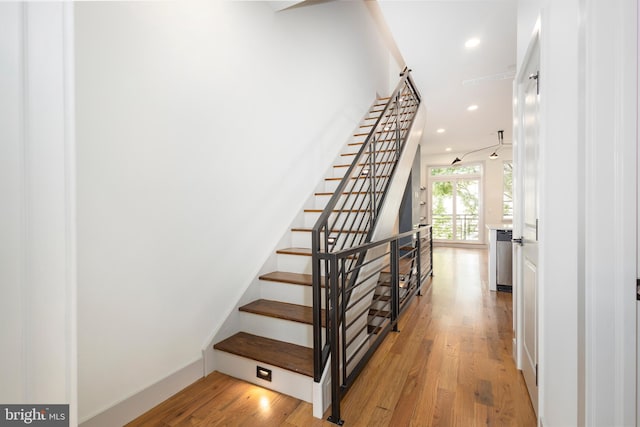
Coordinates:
(23, 204)
(41, 143)
(138, 403)
(533, 49)
(26, 221)
(70, 206)
(610, 217)
(322, 392)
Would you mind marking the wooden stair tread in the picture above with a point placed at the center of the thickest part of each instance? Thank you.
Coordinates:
(379, 131)
(291, 278)
(379, 313)
(295, 251)
(374, 330)
(377, 151)
(281, 310)
(336, 210)
(284, 355)
(377, 116)
(308, 230)
(404, 266)
(382, 298)
(357, 177)
(360, 164)
(344, 194)
(356, 143)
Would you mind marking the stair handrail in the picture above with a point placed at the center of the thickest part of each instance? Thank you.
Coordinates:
(404, 284)
(406, 78)
(406, 86)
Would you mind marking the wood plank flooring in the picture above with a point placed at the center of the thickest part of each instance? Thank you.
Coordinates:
(450, 365)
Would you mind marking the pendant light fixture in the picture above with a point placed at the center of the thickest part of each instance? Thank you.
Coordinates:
(492, 156)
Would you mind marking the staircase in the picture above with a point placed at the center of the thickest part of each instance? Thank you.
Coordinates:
(278, 327)
(298, 320)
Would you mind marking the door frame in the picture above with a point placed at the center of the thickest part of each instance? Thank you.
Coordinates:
(518, 205)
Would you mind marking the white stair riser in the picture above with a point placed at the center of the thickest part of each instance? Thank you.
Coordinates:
(286, 292)
(283, 381)
(347, 158)
(277, 329)
(294, 263)
(310, 219)
(350, 218)
(353, 202)
(300, 239)
(331, 186)
(338, 172)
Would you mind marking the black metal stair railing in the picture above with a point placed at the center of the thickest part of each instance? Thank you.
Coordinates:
(400, 271)
(350, 216)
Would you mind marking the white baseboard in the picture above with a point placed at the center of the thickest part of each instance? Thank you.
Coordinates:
(136, 405)
(322, 392)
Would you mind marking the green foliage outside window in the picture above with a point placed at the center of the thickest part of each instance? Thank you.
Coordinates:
(507, 193)
(456, 170)
(467, 195)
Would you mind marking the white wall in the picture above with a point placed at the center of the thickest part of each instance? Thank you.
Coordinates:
(37, 240)
(202, 129)
(492, 177)
(11, 182)
(587, 260)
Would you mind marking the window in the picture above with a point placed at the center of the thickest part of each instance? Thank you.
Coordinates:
(507, 191)
(455, 203)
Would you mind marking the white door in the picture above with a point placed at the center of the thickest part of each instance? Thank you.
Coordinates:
(526, 219)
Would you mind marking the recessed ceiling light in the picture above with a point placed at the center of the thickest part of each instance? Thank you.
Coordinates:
(441, 130)
(447, 149)
(472, 42)
(473, 107)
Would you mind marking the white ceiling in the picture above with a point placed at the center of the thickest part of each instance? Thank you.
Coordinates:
(431, 36)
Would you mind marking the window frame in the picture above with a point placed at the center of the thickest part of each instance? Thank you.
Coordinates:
(452, 177)
(506, 218)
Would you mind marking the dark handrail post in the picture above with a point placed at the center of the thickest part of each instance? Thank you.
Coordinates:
(419, 264)
(317, 304)
(431, 249)
(334, 341)
(342, 319)
(395, 284)
(398, 98)
(372, 176)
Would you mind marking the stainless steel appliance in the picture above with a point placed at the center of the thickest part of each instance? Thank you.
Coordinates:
(504, 264)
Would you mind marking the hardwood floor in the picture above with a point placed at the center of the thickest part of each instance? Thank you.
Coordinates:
(450, 365)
